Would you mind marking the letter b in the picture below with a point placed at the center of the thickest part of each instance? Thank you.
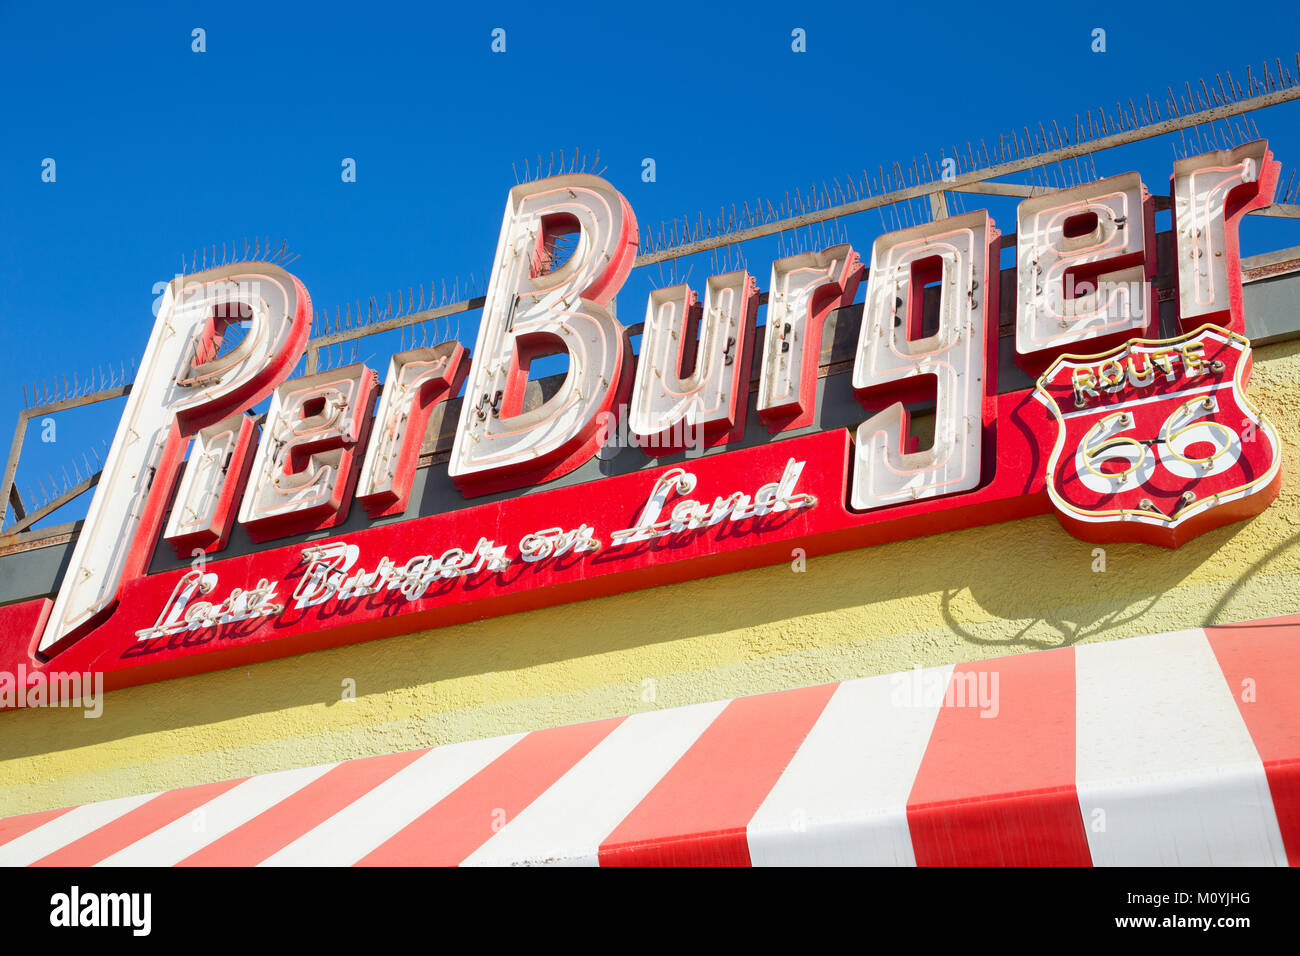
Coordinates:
(533, 310)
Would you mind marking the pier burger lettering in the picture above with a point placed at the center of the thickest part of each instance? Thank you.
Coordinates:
(1123, 435)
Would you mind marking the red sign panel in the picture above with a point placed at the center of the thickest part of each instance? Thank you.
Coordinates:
(1157, 441)
(1151, 441)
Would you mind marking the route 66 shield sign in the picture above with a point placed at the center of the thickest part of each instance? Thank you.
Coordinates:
(1156, 440)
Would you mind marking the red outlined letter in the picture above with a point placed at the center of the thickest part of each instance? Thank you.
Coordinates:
(1211, 193)
(307, 460)
(532, 311)
(182, 386)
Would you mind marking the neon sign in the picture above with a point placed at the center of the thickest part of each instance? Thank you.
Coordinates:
(1125, 437)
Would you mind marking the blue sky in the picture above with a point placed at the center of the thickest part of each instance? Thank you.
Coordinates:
(161, 150)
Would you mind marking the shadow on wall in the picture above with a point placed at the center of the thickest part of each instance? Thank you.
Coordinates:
(1077, 624)
(1003, 589)
(1011, 573)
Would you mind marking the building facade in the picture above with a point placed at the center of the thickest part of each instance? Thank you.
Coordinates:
(956, 677)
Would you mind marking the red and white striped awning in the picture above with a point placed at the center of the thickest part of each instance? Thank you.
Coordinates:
(1179, 748)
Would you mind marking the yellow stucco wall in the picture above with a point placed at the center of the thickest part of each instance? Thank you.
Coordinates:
(967, 595)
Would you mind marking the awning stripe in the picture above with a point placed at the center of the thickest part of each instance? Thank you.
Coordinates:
(14, 827)
(843, 798)
(453, 828)
(1177, 748)
(1261, 665)
(707, 800)
(135, 825)
(567, 824)
(996, 785)
(181, 838)
(67, 828)
(367, 822)
(1161, 783)
(254, 840)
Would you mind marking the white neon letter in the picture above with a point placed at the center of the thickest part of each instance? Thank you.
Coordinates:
(1082, 266)
(892, 353)
(182, 386)
(204, 508)
(1211, 193)
(712, 398)
(418, 382)
(532, 310)
(306, 462)
(804, 289)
